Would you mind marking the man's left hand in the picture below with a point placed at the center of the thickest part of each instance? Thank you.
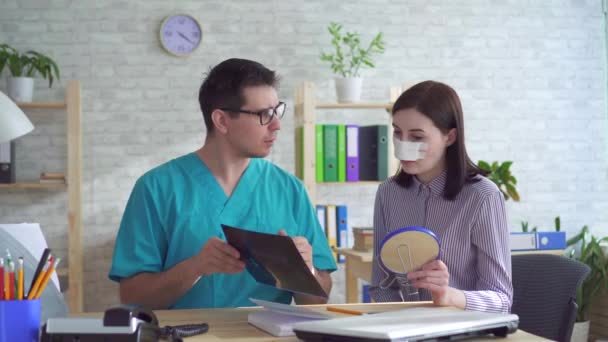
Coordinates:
(304, 248)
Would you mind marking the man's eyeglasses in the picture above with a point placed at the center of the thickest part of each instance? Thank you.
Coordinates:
(266, 115)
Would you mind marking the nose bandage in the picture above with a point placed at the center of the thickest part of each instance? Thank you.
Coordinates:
(408, 151)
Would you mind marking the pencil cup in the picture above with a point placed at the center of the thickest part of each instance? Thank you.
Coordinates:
(19, 320)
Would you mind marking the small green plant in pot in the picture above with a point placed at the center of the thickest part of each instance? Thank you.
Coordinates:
(23, 67)
(501, 175)
(348, 58)
(591, 251)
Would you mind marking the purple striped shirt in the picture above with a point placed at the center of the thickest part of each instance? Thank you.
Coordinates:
(472, 230)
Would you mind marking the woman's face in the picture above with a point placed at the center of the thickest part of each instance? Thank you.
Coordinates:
(411, 125)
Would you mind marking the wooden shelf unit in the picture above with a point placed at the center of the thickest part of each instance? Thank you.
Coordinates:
(73, 108)
(305, 106)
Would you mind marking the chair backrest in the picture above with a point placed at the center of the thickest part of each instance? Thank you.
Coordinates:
(544, 293)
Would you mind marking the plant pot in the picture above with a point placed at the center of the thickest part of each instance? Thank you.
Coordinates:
(20, 89)
(348, 89)
(580, 332)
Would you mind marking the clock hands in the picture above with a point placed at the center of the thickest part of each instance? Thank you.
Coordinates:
(184, 36)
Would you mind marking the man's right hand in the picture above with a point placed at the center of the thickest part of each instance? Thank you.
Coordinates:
(218, 257)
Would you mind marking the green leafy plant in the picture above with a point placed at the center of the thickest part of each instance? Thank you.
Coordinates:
(349, 56)
(524, 227)
(589, 252)
(501, 175)
(28, 64)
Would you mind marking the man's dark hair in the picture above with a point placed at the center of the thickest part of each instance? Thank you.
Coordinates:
(223, 86)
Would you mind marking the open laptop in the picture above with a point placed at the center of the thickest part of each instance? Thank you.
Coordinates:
(414, 324)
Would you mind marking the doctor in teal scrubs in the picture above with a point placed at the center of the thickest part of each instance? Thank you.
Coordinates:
(170, 250)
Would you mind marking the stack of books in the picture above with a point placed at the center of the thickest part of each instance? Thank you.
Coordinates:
(52, 177)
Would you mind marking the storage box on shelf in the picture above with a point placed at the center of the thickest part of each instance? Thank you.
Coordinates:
(73, 108)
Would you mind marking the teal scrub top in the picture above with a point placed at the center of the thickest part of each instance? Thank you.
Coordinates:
(175, 208)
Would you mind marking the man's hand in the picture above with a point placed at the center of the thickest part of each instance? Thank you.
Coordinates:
(218, 257)
(434, 276)
(304, 248)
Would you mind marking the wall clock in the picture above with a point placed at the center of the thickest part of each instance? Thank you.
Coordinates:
(180, 34)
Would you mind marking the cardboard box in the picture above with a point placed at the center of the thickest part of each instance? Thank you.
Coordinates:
(364, 239)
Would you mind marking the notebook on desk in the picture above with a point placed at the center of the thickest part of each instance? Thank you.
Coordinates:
(414, 324)
(278, 319)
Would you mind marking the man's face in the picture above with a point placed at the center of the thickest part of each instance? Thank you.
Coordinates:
(247, 135)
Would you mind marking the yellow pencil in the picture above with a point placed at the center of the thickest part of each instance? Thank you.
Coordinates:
(346, 311)
(34, 289)
(47, 276)
(20, 280)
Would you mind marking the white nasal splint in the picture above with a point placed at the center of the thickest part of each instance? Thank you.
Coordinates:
(409, 151)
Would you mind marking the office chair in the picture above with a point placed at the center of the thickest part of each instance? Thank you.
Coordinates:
(544, 293)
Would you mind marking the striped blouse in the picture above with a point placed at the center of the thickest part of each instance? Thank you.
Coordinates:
(472, 230)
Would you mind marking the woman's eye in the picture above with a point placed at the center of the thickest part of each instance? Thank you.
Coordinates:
(414, 138)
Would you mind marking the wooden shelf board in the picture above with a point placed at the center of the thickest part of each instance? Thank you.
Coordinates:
(32, 185)
(386, 106)
(42, 105)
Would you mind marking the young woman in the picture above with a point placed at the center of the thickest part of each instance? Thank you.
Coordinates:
(440, 189)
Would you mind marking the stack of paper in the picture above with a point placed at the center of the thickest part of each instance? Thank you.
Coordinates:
(278, 319)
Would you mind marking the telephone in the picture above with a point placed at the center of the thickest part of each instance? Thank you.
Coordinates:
(121, 323)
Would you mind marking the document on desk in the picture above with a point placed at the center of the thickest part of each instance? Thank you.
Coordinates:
(278, 319)
(274, 260)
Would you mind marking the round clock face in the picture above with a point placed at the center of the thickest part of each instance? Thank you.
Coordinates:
(180, 34)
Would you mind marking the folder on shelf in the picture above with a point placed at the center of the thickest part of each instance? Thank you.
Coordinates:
(319, 153)
(342, 226)
(331, 227)
(341, 153)
(330, 153)
(321, 217)
(352, 153)
(299, 143)
(526, 241)
(7, 162)
(373, 153)
(382, 146)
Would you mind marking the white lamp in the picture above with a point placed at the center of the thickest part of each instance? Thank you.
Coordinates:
(13, 122)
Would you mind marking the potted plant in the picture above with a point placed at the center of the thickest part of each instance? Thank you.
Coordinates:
(592, 252)
(502, 177)
(22, 68)
(347, 60)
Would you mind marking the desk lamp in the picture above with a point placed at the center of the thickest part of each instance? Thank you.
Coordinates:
(13, 122)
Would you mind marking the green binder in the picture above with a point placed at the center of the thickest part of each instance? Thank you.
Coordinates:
(382, 152)
(319, 152)
(330, 153)
(299, 141)
(341, 153)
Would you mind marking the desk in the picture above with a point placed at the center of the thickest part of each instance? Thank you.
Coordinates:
(359, 265)
(231, 324)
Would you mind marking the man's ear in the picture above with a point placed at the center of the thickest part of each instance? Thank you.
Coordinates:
(220, 121)
(452, 135)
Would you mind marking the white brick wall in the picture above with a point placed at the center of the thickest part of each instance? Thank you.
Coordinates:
(531, 75)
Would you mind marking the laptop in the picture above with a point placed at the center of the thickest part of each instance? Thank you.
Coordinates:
(413, 324)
